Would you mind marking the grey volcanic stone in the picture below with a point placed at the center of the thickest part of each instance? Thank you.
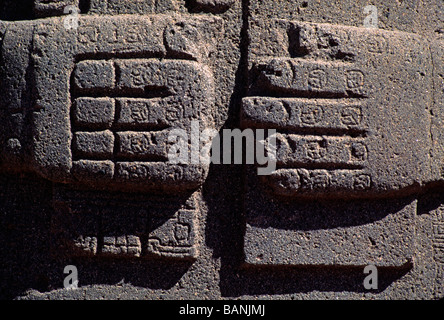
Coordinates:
(86, 114)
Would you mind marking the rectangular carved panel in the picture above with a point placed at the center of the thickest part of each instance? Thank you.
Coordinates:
(94, 223)
(349, 155)
(123, 85)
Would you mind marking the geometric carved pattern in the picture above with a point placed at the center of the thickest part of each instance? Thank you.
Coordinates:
(438, 250)
(323, 94)
(438, 233)
(125, 132)
(124, 84)
(320, 87)
(94, 223)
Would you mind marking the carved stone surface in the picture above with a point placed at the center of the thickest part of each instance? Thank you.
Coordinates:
(168, 89)
(338, 91)
(91, 92)
(349, 161)
(150, 227)
(342, 141)
(44, 8)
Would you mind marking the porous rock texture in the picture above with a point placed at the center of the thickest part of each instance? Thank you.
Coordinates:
(91, 90)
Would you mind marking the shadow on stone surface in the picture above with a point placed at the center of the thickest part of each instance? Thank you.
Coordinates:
(273, 281)
(16, 10)
(224, 230)
(29, 260)
(149, 274)
(24, 234)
